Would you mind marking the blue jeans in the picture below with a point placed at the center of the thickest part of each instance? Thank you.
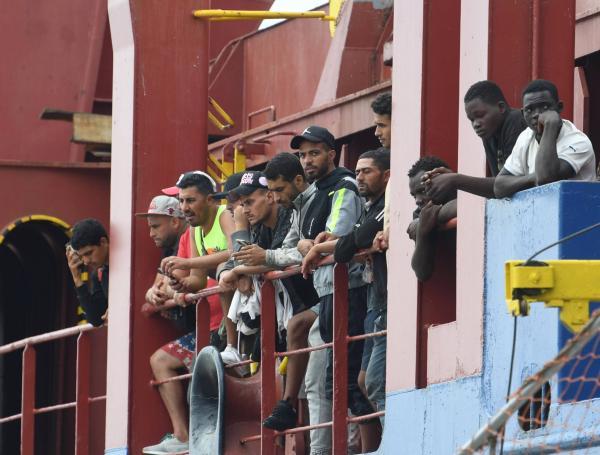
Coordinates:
(375, 378)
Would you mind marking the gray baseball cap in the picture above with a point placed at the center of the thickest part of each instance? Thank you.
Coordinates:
(163, 205)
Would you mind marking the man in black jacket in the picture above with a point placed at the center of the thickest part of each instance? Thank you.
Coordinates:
(87, 255)
(372, 175)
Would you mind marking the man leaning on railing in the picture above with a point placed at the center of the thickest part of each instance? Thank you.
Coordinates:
(87, 255)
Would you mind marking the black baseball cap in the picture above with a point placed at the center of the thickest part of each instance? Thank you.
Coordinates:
(232, 182)
(314, 134)
(250, 182)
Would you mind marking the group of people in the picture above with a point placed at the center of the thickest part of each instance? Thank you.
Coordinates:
(300, 208)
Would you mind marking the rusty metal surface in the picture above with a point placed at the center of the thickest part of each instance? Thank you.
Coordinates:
(54, 62)
(342, 117)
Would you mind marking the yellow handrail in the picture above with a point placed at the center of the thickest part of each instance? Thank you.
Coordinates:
(221, 14)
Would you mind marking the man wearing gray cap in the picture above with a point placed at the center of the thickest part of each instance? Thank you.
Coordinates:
(167, 223)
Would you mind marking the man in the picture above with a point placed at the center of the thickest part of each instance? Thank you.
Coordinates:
(167, 223)
(231, 198)
(208, 248)
(270, 227)
(551, 149)
(210, 243)
(382, 119)
(372, 175)
(430, 214)
(87, 254)
(498, 126)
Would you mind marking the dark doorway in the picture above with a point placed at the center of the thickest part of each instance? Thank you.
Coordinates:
(36, 296)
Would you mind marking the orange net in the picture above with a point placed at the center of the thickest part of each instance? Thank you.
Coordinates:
(556, 410)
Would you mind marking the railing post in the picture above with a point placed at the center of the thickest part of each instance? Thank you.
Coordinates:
(82, 396)
(28, 401)
(202, 324)
(267, 364)
(340, 360)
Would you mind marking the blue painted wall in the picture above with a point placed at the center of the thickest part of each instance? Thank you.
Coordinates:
(439, 419)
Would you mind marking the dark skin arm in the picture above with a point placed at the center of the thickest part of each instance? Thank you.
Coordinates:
(507, 184)
(442, 183)
(548, 167)
(423, 258)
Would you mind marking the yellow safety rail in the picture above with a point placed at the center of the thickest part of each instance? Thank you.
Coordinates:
(227, 120)
(222, 14)
(569, 285)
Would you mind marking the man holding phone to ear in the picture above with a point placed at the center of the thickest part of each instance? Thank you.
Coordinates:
(88, 252)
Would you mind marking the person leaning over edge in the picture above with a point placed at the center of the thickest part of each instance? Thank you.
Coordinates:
(270, 225)
(372, 175)
(88, 251)
(429, 215)
(287, 181)
(551, 149)
(498, 125)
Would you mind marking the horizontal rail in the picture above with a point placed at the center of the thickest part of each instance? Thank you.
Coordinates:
(181, 377)
(47, 409)
(10, 418)
(240, 364)
(316, 426)
(364, 336)
(319, 347)
(244, 14)
(56, 407)
(46, 337)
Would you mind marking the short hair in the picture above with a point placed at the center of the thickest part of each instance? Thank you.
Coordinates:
(382, 104)
(87, 232)
(284, 165)
(380, 156)
(201, 182)
(487, 91)
(541, 85)
(426, 163)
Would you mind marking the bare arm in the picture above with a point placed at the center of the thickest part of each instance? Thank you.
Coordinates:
(423, 259)
(548, 167)
(507, 184)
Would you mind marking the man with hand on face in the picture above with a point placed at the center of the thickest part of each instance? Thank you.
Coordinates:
(87, 253)
(270, 225)
(498, 126)
(429, 215)
(551, 149)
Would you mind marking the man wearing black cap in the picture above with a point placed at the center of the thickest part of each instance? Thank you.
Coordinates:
(270, 225)
(232, 182)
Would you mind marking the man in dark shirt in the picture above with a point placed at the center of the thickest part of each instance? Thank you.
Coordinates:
(498, 126)
(87, 255)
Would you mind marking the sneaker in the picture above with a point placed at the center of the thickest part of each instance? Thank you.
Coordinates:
(230, 355)
(282, 418)
(170, 445)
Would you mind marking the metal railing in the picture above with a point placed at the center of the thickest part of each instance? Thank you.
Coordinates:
(340, 419)
(82, 401)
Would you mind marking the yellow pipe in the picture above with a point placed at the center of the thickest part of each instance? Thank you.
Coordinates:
(216, 122)
(240, 14)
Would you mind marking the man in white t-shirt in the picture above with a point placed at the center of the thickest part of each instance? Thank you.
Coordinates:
(551, 149)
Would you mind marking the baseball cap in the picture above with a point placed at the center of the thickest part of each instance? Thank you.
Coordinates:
(163, 205)
(313, 134)
(232, 182)
(200, 175)
(250, 182)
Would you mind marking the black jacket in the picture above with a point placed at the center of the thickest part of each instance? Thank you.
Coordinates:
(95, 302)
(362, 238)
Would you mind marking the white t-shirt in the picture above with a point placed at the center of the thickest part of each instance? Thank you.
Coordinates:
(572, 146)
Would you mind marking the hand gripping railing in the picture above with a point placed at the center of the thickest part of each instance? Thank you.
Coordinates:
(82, 395)
(339, 344)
